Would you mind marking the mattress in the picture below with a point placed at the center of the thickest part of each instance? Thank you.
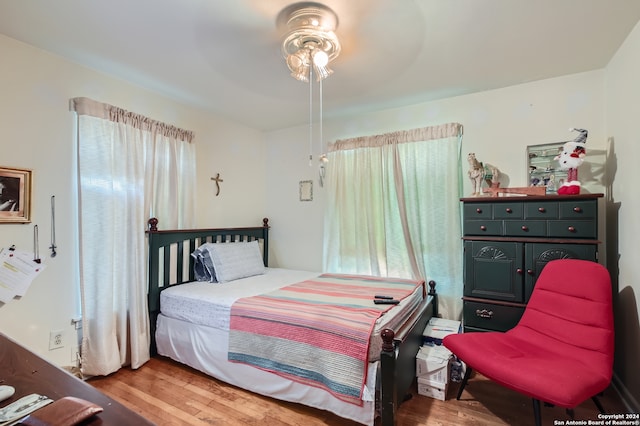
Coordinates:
(209, 304)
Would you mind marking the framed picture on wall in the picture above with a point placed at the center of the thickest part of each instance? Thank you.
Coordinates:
(15, 195)
(306, 190)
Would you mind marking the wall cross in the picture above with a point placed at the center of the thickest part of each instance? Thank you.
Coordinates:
(217, 180)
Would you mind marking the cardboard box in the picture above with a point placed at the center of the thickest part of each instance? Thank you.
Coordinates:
(438, 328)
(432, 389)
(433, 363)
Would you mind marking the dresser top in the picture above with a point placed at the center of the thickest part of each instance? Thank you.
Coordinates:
(551, 197)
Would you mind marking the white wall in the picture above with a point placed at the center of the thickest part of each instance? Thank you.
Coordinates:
(37, 132)
(237, 153)
(622, 118)
(498, 125)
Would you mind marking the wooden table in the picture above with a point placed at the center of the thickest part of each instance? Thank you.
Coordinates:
(28, 373)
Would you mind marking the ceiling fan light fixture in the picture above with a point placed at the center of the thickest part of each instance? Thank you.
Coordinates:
(309, 45)
(308, 27)
(301, 74)
(320, 58)
(299, 64)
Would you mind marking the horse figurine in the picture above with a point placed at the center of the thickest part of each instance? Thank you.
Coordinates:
(476, 174)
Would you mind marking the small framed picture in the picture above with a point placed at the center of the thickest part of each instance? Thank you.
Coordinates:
(15, 195)
(306, 190)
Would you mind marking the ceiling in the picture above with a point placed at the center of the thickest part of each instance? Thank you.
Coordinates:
(224, 55)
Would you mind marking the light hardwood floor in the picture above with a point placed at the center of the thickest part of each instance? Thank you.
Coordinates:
(169, 394)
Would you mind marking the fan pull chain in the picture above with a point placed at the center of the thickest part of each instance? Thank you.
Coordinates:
(310, 116)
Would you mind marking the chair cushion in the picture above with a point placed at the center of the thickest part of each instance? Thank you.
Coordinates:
(529, 367)
(561, 351)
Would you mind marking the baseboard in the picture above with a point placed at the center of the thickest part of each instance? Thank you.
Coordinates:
(628, 400)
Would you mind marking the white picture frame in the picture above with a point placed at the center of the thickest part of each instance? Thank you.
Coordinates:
(306, 190)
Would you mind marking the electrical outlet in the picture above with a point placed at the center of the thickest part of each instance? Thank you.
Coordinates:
(56, 340)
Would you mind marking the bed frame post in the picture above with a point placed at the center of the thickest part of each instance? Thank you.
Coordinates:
(397, 359)
(153, 298)
(265, 241)
(434, 296)
(388, 390)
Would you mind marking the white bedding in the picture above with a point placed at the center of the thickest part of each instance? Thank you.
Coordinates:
(209, 304)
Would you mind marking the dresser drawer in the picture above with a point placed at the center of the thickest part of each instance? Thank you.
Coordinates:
(573, 229)
(508, 210)
(578, 209)
(483, 227)
(478, 211)
(525, 228)
(490, 316)
(541, 210)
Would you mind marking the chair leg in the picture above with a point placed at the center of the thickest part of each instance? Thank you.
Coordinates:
(571, 413)
(598, 404)
(536, 412)
(467, 374)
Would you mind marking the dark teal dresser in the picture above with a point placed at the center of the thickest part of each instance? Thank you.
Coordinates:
(507, 242)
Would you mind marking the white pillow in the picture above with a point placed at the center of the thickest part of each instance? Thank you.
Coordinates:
(232, 261)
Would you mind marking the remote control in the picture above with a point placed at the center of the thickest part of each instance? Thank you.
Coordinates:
(378, 296)
(386, 301)
(6, 392)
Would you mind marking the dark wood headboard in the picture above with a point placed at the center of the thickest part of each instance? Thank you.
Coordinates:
(171, 263)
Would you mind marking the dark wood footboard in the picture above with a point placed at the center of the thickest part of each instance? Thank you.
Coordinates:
(397, 359)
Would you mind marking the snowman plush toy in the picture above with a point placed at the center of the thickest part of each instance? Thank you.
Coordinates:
(569, 159)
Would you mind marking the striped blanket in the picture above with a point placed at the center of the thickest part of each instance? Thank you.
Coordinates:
(314, 332)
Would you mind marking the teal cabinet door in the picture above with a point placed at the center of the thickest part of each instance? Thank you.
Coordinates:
(539, 254)
(493, 270)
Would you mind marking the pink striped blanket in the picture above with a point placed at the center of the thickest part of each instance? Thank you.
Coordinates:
(314, 332)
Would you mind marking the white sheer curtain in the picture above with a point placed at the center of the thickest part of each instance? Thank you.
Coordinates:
(394, 210)
(129, 168)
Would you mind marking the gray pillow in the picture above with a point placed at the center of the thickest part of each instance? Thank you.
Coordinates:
(232, 261)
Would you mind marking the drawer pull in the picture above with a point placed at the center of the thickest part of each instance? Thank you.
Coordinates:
(530, 271)
(524, 228)
(571, 229)
(508, 210)
(478, 210)
(484, 313)
(542, 209)
(519, 271)
(577, 209)
(483, 228)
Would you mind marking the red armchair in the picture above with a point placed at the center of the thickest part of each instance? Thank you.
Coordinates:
(561, 351)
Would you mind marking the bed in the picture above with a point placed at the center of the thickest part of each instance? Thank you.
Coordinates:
(205, 326)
